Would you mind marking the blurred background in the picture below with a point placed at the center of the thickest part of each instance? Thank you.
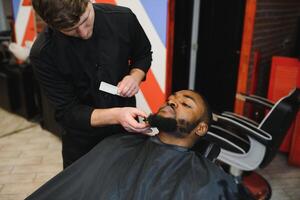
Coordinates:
(218, 48)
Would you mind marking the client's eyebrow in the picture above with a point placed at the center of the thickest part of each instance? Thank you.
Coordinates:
(190, 97)
(186, 96)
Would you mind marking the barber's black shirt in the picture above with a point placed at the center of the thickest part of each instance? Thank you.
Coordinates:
(70, 69)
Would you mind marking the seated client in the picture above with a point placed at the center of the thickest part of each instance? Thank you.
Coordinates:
(138, 167)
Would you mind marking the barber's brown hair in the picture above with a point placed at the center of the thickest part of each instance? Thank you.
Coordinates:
(60, 14)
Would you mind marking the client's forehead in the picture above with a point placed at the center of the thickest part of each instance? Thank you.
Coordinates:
(190, 95)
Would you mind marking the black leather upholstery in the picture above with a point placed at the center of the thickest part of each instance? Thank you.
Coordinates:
(231, 131)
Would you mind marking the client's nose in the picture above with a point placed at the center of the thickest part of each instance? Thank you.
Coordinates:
(172, 104)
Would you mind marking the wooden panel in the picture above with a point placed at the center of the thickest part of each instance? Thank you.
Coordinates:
(170, 45)
(245, 53)
(254, 79)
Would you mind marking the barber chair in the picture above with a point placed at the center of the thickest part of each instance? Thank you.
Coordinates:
(5, 36)
(18, 90)
(9, 98)
(8, 87)
(21, 89)
(247, 145)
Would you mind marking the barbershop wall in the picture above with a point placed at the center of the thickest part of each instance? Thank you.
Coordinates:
(275, 34)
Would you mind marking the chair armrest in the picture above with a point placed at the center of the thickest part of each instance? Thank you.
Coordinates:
(255, 99)
(243, 127)
(227, 140)
(239, 117)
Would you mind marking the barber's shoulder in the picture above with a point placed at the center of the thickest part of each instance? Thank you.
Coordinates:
(40, 44)
(111, 9)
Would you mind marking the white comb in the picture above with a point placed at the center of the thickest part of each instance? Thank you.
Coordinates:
(109, 88)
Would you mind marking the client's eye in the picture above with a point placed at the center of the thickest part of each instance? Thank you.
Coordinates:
(186, 105)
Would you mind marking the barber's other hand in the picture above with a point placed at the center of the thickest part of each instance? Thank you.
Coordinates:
(127, 118)
(128, 87)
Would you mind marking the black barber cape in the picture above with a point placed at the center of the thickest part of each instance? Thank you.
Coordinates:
(137, 167)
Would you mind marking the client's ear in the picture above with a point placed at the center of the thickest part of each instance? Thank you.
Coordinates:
(201, 129)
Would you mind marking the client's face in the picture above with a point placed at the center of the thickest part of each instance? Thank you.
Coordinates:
(180, 113)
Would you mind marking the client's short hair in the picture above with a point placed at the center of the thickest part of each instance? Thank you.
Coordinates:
(207, 113)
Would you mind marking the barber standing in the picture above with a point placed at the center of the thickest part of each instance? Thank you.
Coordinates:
(82, 45)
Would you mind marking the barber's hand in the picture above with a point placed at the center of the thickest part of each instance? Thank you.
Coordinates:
(127, 118)
(128, 87)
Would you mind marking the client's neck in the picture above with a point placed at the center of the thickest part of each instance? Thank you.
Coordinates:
(167, 138)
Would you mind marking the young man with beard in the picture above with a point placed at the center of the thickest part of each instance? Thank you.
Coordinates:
(138, 167)
(83, 45)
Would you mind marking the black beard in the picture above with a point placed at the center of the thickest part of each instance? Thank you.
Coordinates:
(186, 127)
(164, 124)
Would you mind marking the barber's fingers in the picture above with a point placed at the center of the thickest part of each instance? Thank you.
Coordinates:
(139, 113)
(128, 91)
(127, 119)
(134, 124)
(128, 86)
(131, 92)
(146, 131)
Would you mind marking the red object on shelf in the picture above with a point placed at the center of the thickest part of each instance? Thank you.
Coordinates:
(285, 75)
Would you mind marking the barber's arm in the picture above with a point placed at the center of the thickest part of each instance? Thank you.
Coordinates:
(141, 58)
(61, 93)
(125, 116)
(68, 110)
